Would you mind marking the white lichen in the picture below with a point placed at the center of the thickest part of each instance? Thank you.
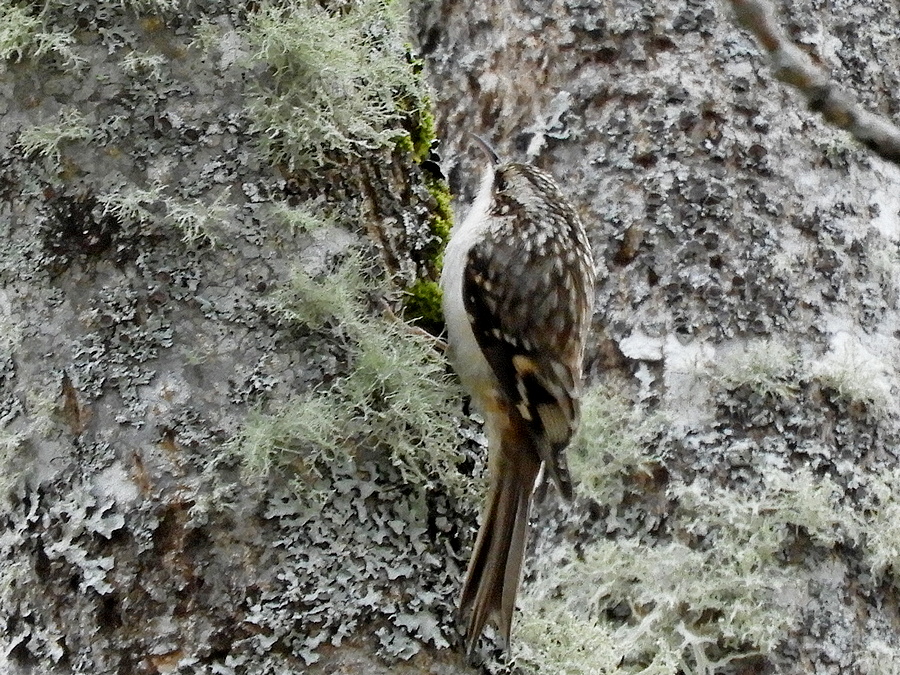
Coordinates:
(855, 373)
(336, 80)
(46, 140)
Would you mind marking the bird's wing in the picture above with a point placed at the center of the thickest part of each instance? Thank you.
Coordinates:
(528, 305)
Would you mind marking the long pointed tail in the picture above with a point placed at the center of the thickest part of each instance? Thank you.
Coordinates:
(495, 569)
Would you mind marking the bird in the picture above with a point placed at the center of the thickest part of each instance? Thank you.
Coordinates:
(518, 286)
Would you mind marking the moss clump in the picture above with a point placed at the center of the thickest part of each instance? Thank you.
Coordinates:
(418, 120)
(442, 222)
(418, 140)
(422, 302)
(420, 130)
(423, 133)
(422, 305)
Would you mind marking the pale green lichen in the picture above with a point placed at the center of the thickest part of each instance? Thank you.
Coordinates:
(765, 517)
(11, 444)
(715, 592)
(300, 434)
(552, 639)
(313, 302)
(199, 221)
(395, 398)
(682, 609)
(207, 35)
(307, 217)
(23, 35)
(46, 140)
(334, 78)
(131, 203)
(881, 527)
(879, 658)
(767, 367)
(854, 374)
(18, 31)
(144, 65)
(609, 445)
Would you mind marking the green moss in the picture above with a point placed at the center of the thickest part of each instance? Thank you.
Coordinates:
(422, 305)
(422, 131)
(405, 143)
(418, 120)
(418, 140)
(442, 223)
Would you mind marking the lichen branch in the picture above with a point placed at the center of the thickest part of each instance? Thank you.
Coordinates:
(794, 67)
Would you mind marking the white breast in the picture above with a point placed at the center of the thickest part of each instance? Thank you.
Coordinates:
(468, 361)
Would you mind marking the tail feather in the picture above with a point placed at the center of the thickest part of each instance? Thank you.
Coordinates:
(495, 569)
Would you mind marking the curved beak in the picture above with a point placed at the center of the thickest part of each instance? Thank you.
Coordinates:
(487, 149)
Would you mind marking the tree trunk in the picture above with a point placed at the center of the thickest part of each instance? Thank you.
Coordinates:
(220, 453)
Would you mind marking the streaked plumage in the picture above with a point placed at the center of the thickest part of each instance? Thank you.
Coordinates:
(518, 286)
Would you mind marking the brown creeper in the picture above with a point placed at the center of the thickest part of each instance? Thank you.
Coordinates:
(518, 286)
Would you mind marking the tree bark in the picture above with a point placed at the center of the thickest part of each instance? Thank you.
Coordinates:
(738, 463)
(220, 454)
